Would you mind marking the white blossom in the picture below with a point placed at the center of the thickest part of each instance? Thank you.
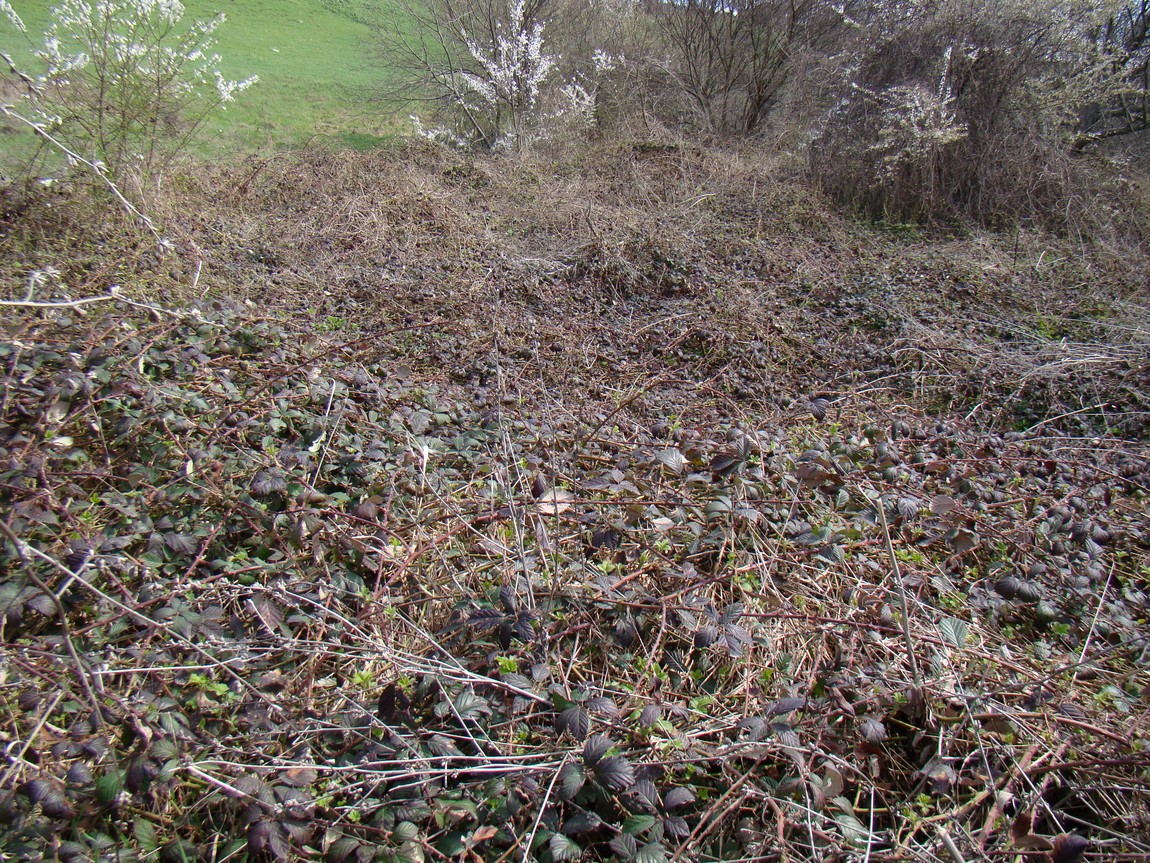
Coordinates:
(115, 75)
(12, 17)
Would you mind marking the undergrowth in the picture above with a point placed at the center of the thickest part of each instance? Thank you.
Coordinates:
(383, 574)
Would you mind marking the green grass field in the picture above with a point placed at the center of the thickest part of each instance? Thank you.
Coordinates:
(318, 62)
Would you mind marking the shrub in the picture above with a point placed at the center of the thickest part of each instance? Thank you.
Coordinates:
(969, 111)
(479, 66)
(125, 83)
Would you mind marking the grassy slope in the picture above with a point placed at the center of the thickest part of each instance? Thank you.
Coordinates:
(314, 58)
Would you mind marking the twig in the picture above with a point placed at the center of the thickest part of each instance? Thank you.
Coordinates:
(98, 170)
(82, 671)
(32, 734)
(229, 789)
(60, 304)
(711, 823)
(140, 618)
(1093, 624)
(951, 848)
(542, 809)
(905, 607)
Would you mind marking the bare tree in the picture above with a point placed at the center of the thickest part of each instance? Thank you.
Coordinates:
(1123, 39)
(732, 59)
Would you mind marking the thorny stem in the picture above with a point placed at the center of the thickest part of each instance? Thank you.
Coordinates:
(82, 671)
(904, 606)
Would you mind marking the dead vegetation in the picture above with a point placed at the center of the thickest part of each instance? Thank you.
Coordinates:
(635, 506)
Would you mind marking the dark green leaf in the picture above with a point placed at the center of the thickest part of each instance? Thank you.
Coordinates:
(109, 787)
(953, 631)
(145, 833)
(706, 636)
(677, 797)
(571, 779)
(786, 705)
(615, 772)
(602, 705)
(653, 852)
(646, 796)
(732, 613)
(452, 844)
(574, 721)
(581, 821)
(595, 748)
(471, 706)
(485, 618)
(564, 848)
(625, 846)
(637, 825)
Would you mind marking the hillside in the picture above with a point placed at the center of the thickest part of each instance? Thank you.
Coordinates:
(320, 73)
(626, 504)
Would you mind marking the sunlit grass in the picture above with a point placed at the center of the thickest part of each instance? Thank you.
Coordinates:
(318, 62)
